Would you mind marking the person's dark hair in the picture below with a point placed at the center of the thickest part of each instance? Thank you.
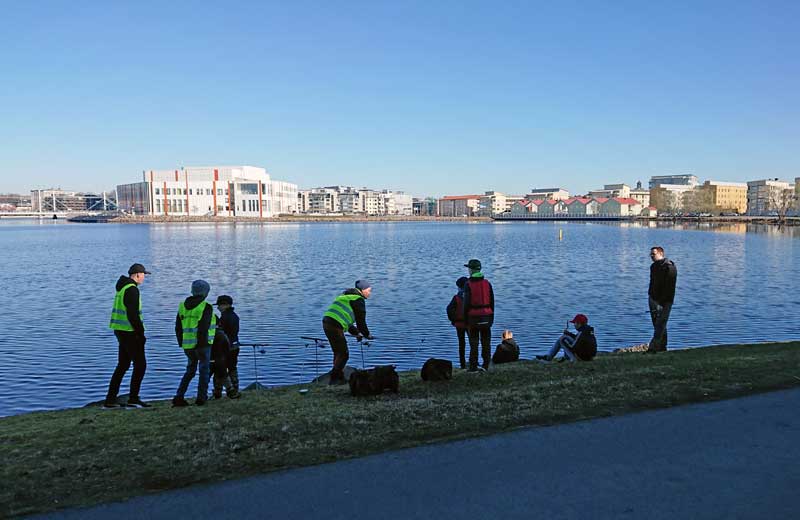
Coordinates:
(658, 248)
(461, 282)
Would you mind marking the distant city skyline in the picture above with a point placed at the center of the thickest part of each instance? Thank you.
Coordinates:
(428, 98)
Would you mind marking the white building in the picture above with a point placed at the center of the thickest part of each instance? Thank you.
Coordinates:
(767, 195)
(640, 194)
(682, 180)
(209, 190)
(547, 193)
(612, 190)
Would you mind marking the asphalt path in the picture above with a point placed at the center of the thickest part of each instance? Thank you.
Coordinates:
(734, 459)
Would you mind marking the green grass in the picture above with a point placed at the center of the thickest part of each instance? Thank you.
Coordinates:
(87, 456)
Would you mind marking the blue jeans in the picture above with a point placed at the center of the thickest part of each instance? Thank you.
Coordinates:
(564, 343)
(195, 356)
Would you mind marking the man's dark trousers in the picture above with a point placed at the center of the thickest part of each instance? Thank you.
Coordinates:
(659, 313)
(131, 349)
(482, 333)
(341, 354)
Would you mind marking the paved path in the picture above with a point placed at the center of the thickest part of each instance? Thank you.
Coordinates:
(730, 459)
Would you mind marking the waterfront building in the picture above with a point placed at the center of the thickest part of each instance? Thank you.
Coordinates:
(675, 180)
(459, 205)
(318, 200)
(58, 201)
(726, 196)
(525, 207)
(429, 206)
(552, 207)
(669, 197)
(612, 190)
(547, 193)
(650, 211)
(496, 203)
(579, 206)
(641, 194)
(397, 203)
(209, 190)
(622, 206)
(767, 196)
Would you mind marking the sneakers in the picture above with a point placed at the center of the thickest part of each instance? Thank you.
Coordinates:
(200, 401)
(234, 394)
(137, 403)
(476, 370)
(111, 405)
(178, 402)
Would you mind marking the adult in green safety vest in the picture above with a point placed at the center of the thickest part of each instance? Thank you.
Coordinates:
(195, 327)
(126, 322)
(348, 312)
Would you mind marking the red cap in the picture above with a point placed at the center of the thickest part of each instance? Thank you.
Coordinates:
(579, 318)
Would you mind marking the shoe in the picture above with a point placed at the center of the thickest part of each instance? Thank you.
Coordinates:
(137, 403)
(178, 402)
(544, 358)
(233, 394)
(111, 405)
(200, 401)
(476, 370)
(218, 395)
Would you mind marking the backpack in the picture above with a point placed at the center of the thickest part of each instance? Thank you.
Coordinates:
(374, 381)
(437, 370)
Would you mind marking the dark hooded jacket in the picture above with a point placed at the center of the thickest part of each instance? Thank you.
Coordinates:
(585, 346)
(359, 307)
(229, 323)
(202, 328)
(131, 302)
(506, 352)
(663, 275)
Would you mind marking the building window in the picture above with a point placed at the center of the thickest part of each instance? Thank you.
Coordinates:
(219, 191)
(158, 191)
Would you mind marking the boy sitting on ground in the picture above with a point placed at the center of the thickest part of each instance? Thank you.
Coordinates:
(580, 346)
(507, 351)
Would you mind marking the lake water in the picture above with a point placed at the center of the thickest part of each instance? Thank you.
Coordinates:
(736, 283)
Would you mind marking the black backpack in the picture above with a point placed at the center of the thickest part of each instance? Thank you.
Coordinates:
(374, 381)
(437, 370)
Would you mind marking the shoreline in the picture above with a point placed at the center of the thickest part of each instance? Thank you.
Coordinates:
(85, 456)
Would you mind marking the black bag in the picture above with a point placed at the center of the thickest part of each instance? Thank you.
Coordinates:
(437, 370)
(374, 381)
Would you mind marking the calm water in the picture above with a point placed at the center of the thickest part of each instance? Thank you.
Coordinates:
(735, 284)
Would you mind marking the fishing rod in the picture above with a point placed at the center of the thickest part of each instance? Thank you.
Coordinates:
(255, 363)
(318, 344)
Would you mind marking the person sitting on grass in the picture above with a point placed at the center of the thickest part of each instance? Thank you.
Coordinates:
(507, 351)
(580, 346)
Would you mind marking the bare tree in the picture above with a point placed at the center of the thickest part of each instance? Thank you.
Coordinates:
(781, 202)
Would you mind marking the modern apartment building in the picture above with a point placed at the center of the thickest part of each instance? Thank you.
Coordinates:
(547, 193)
(459, 205)
(677, 180)
(209, 190)
(348, 200)
(612, 190)
(767, 195)
(496, 203)
(726, 196)
(428, 206)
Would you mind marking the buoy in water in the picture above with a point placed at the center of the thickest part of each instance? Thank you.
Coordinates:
(560, 234)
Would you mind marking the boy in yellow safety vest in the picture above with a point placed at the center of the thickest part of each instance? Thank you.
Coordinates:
(195, 327)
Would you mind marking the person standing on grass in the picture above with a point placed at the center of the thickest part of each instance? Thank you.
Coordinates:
(126, 322)
(479, 315)
(348, 312)
(195, 327)
(661, 294)
(229, 326)
(455, 313)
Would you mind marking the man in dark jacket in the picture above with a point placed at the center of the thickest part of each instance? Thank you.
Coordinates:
(126, 322)
(578, 346)
(195, 327)
(348, 312)
(479, 315)
(661, 294)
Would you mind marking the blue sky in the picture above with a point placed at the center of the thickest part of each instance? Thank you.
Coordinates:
(429, 97)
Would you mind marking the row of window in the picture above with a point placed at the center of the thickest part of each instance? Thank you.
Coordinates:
(190, 191)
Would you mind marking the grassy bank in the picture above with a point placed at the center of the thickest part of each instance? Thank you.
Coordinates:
(86, 456)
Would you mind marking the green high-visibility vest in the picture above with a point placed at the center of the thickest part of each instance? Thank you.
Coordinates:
(190, 320)
(341, 310)
(119, 315)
